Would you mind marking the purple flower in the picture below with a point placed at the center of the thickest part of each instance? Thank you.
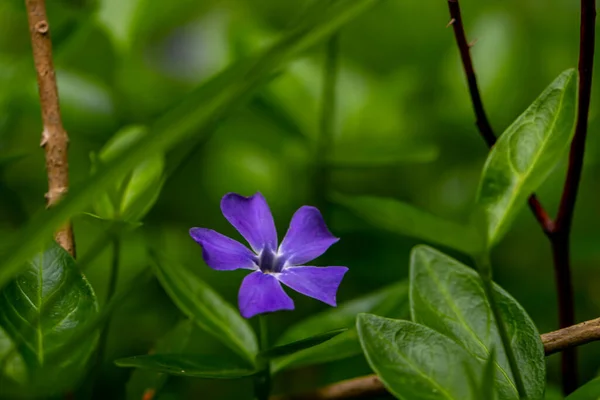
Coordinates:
(306, 239)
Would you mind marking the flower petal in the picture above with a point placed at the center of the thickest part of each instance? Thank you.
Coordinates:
(307, 237)
(262, 293)
(252, 218)
(222, 253)
(320, 283)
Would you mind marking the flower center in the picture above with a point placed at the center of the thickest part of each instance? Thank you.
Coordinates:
(268, 261)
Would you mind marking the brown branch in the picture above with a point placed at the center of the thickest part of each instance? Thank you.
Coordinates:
(370, 386)
(560, 236)
(481, 119)
(54, 137)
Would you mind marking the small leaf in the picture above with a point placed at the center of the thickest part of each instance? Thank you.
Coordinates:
(197, 366)
(526, 153)
(207, 309)
(52, 285)
(294, 347)
(133, 195)
(143, 380)
(404, 219)
(415, 362)
(589, 391)
(391, 301)
(448, 297)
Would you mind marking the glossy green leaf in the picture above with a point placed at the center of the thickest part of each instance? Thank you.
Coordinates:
(192, 365)
(196, 115)
(174, 342)
(302, 344)
(526, 153)
(589, 391)
(207, 309)
(448, 297)
(53, 285)
(415, 362)
(391, 301)
(403, 219)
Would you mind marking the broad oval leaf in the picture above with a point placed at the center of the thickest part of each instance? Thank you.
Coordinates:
(12, 364)
(175, 341)
(192, 365)
(448, 297)
(206, 308)
(403, 219)
(302, 344)
(391, 301)
(526, 153)
(415, 362)
(589, 391)
(41, 310)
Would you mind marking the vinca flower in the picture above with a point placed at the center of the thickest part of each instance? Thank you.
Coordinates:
(306, 239)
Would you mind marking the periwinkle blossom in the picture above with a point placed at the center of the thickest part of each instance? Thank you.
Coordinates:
(306, 239)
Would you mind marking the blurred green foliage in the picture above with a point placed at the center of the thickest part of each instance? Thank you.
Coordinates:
(404, 129)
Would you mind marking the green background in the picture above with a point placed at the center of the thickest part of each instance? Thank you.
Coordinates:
(403, 108)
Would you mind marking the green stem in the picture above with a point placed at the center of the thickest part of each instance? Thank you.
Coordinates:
(485, 272)
(112, 287)
(326, 120)
(262, 382)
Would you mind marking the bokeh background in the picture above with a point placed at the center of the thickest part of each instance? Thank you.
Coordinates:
(404, 128)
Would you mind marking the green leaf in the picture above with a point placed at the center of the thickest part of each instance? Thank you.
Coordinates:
(403, 219)
(132, 195)
(175, 341)
(294, 347)
(207, 309)
(192, 365)
(40, 310)
(196, 115)
(526, 153)
(415, 362)
(448, 297)
(589, 391)
(391, 301)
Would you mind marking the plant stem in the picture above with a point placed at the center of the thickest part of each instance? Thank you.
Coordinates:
(112, 287)
(326, 120)
(54, 137)
(481, 119)
(560, 237)
(262, 382)
(485, 272)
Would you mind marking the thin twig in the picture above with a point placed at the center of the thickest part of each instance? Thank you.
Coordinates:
(370, 386)
(481, 119)
(560, 237)
(54, 137)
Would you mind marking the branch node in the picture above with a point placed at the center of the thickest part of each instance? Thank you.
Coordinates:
(42, 27)
(45, 137)
(451, 22)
